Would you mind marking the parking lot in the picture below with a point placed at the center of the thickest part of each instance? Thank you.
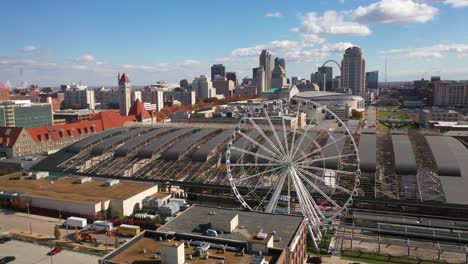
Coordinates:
(28, 253)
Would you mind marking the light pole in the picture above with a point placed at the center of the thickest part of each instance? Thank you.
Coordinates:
(29, 217)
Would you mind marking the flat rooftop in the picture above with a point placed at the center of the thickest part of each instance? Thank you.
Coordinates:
(66, 189)
(196, 219)
(134, 253)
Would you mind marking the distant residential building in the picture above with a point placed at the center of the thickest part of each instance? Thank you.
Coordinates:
(437, 114)
(25, 114)
(320, 79)
(184, 83)
(435, 78)
(353, 71)
(203, 87)
(110, 98)
(266, 61)
(278, 76)
(4, 92)
(328, 71)
(421, 84)
(135, 95)
(54, 98)
(372, 80)
(259, 78)
(185, 97)
(78, 98)
(286, 91)
(224, 86)
(232, 76)
(451, 94)
(337, 83)
(217, 70)
(74, 116)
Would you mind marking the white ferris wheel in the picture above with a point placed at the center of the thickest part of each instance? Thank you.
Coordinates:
(294, 157)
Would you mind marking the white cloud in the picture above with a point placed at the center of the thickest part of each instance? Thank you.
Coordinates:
(190, 62)
(29, 48)
(245, 52)
(395, 12)
(457, 3)
(274, 14)
(436, 51)
(87, 58)
(331, 23)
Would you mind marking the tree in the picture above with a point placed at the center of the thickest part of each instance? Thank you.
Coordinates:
(57, 233)
(77, 236)
(355, 114)
(116, 214)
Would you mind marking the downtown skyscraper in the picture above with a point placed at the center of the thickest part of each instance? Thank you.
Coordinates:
(266, 61)
(353, 71)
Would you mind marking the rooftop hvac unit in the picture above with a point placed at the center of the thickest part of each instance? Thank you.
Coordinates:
(111, 183)
(40, 175)
(83, 180)
(261, 235)
(203, 248)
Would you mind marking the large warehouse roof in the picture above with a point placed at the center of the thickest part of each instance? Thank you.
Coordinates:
(405, 163)
(368, 152)
(175, 152)
(334, 148)
(455, 187)
(197, 217)
(158, 145)
(271, 147)
(66, 189)
(202, 153)
(134, 143)
(114, 141)
(447, 164)
(243, 143)
(94, 139)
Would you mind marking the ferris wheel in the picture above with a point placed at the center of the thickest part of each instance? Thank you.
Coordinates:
(294, 156)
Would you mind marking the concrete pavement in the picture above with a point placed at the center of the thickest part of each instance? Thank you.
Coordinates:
(27, 253)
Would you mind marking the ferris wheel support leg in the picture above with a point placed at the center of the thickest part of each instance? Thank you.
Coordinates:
(274, 198)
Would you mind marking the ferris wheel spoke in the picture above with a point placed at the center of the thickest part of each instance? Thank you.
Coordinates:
(325, 169)
(324, 159)
(276, 194)
(255, 175)
(265, 197)
(295, 131)
(305, 133)
(324, 195)
(285, 134)
(265, 137)
(254, 154)
(257, 144)
(323, 180)
(306, 198)
(320, 149)
(254, 164)
(274, 132)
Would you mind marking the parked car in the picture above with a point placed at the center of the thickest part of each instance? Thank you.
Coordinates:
(7, 259)
(4, 239)
(55, 251)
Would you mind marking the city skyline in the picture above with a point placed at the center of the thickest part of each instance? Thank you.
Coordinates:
(171, 43)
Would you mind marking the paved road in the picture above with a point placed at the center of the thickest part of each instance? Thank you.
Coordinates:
(28, 253)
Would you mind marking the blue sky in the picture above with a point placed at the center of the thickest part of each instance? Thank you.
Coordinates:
(67, 41)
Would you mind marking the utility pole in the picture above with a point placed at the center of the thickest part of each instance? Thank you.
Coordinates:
(29, 217)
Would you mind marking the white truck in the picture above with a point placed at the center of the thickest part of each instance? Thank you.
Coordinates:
(73, 222)
(102, 225)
